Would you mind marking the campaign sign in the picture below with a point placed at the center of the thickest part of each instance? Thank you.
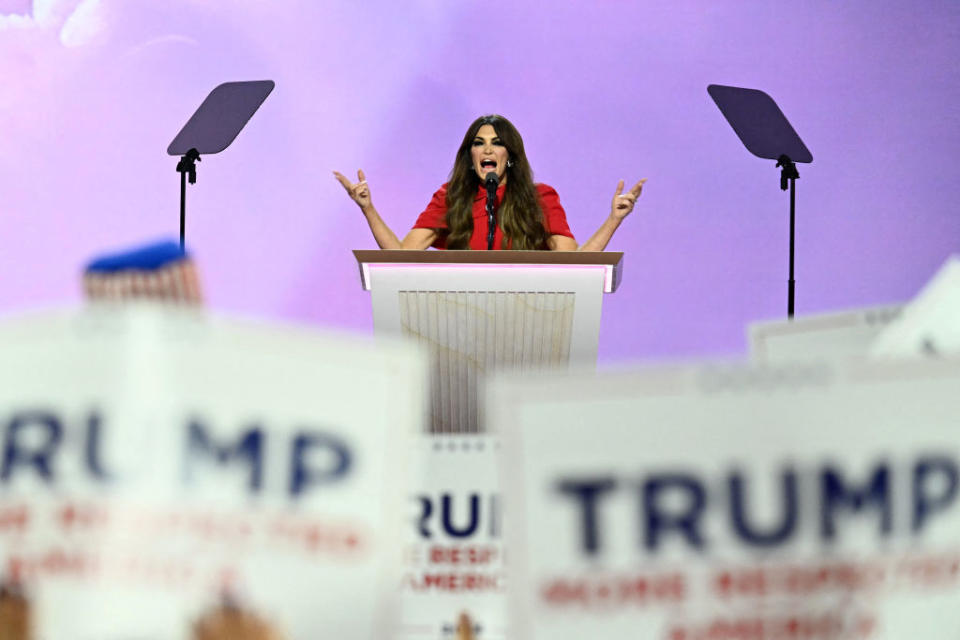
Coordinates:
(454, 559)
(735, 503)
(168, 475)
(930, 325)
(837, 334)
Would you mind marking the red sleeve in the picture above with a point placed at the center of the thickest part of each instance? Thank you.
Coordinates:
(555, 218)
(435, 215)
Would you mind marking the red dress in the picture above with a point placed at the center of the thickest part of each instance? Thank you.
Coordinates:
(435, 217)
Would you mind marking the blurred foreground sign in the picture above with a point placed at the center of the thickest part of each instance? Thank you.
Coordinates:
(839, 334)
(930, 325)
(735, 503)
(166, 475)
(454, 557)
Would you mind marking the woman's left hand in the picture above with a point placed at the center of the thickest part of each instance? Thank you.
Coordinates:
(623, 202)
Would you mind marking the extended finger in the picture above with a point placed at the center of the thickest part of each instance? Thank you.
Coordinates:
(360, 175)
(637, 188)
(342, 179)
(619, 189)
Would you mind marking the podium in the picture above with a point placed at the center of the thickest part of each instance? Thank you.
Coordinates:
(479, 312)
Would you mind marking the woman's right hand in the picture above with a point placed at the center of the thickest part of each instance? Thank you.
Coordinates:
(359, 191)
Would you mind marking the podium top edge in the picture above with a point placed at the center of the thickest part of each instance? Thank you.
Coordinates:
(415, 256)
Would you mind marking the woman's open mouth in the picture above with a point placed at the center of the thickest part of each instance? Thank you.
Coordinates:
(488, 165)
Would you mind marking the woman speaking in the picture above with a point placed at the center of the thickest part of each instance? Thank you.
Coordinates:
(529, 215)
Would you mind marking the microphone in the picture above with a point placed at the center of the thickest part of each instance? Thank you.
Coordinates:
(491, 182)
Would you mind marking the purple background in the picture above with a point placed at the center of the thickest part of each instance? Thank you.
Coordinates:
(94, 90)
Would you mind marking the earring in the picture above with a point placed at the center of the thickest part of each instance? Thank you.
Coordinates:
(509, 163)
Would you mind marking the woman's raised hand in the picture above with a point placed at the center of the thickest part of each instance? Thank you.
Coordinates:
(359, 191)
(623, 203)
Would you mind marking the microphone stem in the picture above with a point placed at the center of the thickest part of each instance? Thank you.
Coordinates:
(491, 220)
(491, 182)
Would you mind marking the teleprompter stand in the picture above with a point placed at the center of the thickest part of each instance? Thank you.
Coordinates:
(212, 128)
(766, 133)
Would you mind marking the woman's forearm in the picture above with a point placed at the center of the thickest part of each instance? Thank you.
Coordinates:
(598, 241)
(385, 237)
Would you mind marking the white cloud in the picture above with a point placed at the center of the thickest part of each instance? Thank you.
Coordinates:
(55, 14)
(84, 24)
(16, 21)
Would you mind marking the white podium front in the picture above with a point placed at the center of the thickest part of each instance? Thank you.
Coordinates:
(484, 311)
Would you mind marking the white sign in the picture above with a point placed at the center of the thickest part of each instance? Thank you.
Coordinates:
(930, 324)
(162, 473)
(731, 502)
(848, 333)
(454, 560)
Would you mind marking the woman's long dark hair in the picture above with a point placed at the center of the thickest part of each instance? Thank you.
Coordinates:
(520, 215)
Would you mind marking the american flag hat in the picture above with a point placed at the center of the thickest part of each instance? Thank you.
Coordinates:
(161, 271)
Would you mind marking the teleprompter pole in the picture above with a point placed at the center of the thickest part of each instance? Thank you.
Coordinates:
(788, 173)
(186, 167)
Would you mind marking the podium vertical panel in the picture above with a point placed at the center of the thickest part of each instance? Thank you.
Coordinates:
(469, 332)
(486, 318)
